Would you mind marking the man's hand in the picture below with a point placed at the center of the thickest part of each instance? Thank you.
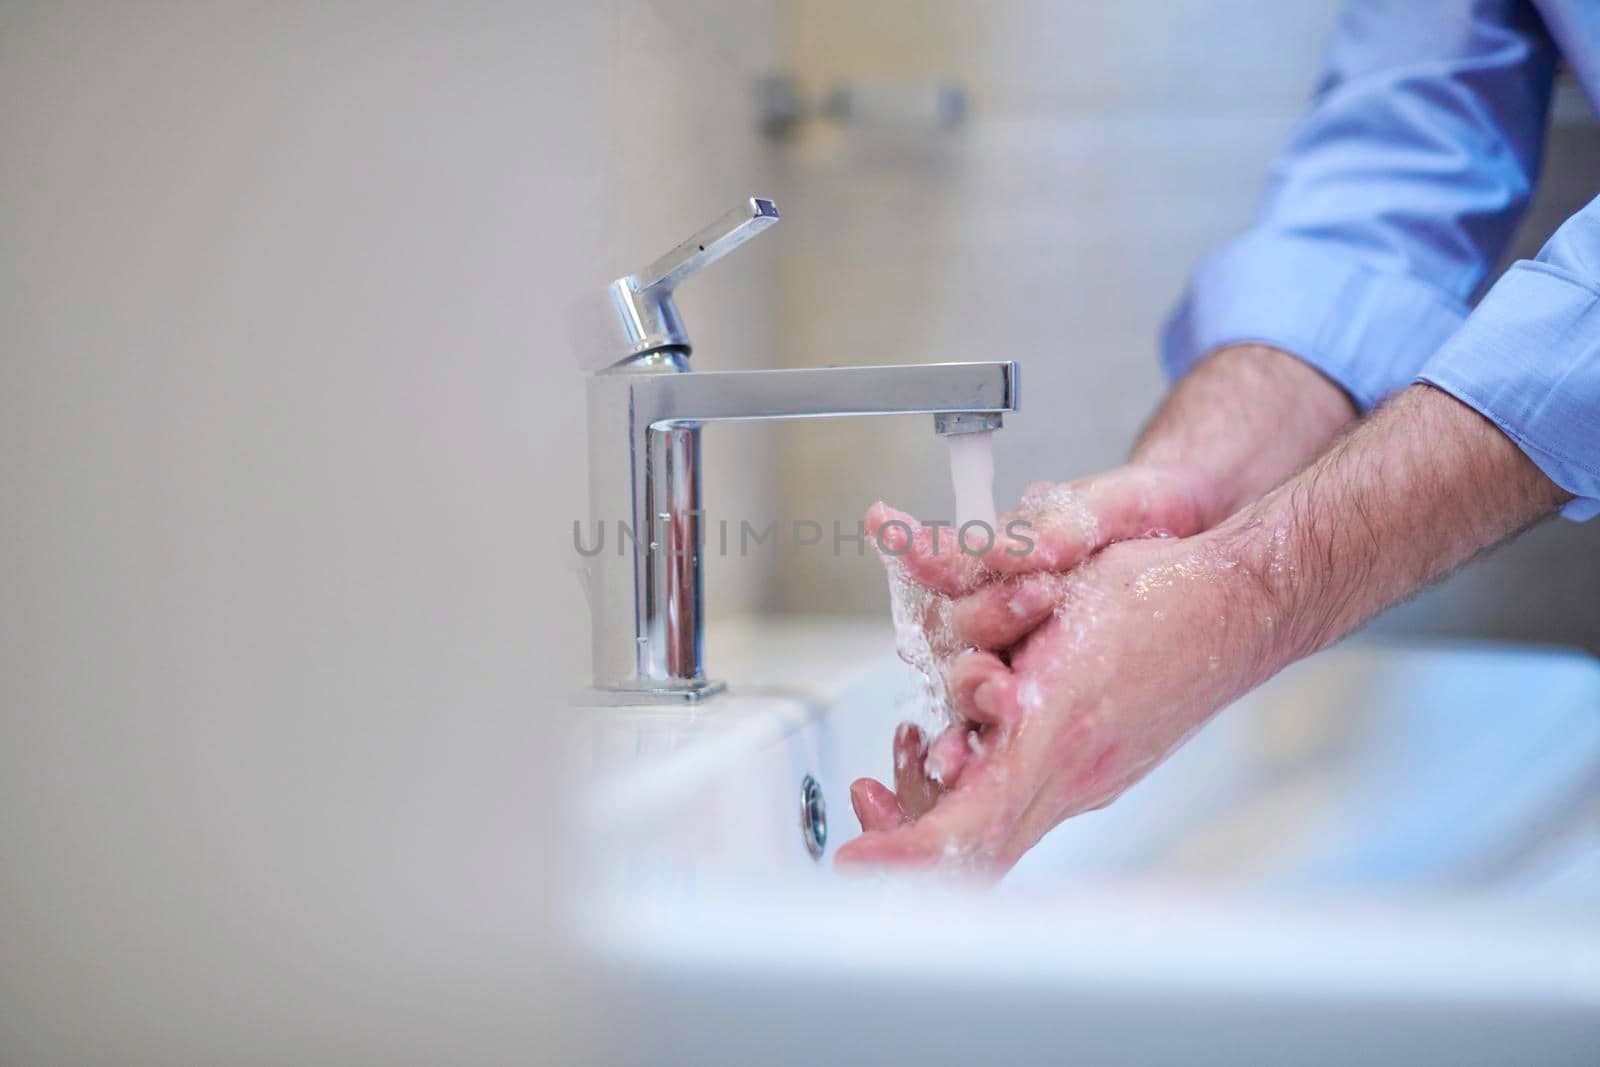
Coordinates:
(1140, 645)
(1056, 526)
(1147, 640)
(991, 600)
(1243, 420)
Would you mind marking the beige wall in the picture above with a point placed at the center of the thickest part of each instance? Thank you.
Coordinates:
(1109, 146)
(291, 439)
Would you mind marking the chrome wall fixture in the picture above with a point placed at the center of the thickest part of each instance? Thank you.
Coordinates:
(866, 103)
(645, 413)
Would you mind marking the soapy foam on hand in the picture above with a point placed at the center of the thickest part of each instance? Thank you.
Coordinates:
(1055, 507)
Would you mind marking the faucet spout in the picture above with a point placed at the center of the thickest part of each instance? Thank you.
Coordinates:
(942, 389)
(644, 426)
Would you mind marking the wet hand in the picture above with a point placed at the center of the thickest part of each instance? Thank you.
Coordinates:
(978, 591)
(1139, 646)
(1055, 527)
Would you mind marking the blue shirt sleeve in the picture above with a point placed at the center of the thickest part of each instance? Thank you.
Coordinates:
(1397, 194)
(1528, 359)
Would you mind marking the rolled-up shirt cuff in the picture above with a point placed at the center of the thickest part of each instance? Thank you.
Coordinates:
(1528, 360)
(1368, 331)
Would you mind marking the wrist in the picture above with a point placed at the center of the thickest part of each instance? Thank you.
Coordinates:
(1210, 590)
(1242, 420)
(1418, 489)
(1282, 603)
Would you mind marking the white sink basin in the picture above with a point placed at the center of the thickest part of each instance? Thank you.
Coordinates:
(1384, 854)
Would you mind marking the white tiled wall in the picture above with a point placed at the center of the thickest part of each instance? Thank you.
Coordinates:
(1109, 145)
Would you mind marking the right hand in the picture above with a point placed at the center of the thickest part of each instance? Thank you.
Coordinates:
(1239, 422)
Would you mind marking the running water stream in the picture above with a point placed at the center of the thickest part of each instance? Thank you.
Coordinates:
(915, 607)
(972, 475)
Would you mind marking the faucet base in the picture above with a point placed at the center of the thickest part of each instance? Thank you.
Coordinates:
(621, 697)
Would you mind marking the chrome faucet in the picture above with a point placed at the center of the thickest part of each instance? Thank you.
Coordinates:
(644, 459)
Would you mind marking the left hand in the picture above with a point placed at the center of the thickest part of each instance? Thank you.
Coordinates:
(1057, 526)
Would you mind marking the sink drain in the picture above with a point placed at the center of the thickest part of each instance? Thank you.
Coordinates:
(813, 817)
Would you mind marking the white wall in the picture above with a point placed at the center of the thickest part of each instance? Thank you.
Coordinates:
(290, 448)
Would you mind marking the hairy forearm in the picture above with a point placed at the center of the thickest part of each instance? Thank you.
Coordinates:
(1240, 422)
(1416, 490)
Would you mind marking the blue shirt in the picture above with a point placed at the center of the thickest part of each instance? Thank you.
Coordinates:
(1396, 196)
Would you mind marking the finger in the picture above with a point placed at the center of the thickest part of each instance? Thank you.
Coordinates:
(982, 688)
(955, 834)
(998, 615)
(912, 786)
(931, 556)
(968, 829)
(947, 755)
(1054, 532)
(875, 805)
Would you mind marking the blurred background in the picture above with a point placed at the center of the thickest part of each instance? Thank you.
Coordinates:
(1106, 147)
(291, 411)
(1101, 150)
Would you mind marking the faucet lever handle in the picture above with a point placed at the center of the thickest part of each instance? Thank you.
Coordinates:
(707, 246)
(643, 301)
